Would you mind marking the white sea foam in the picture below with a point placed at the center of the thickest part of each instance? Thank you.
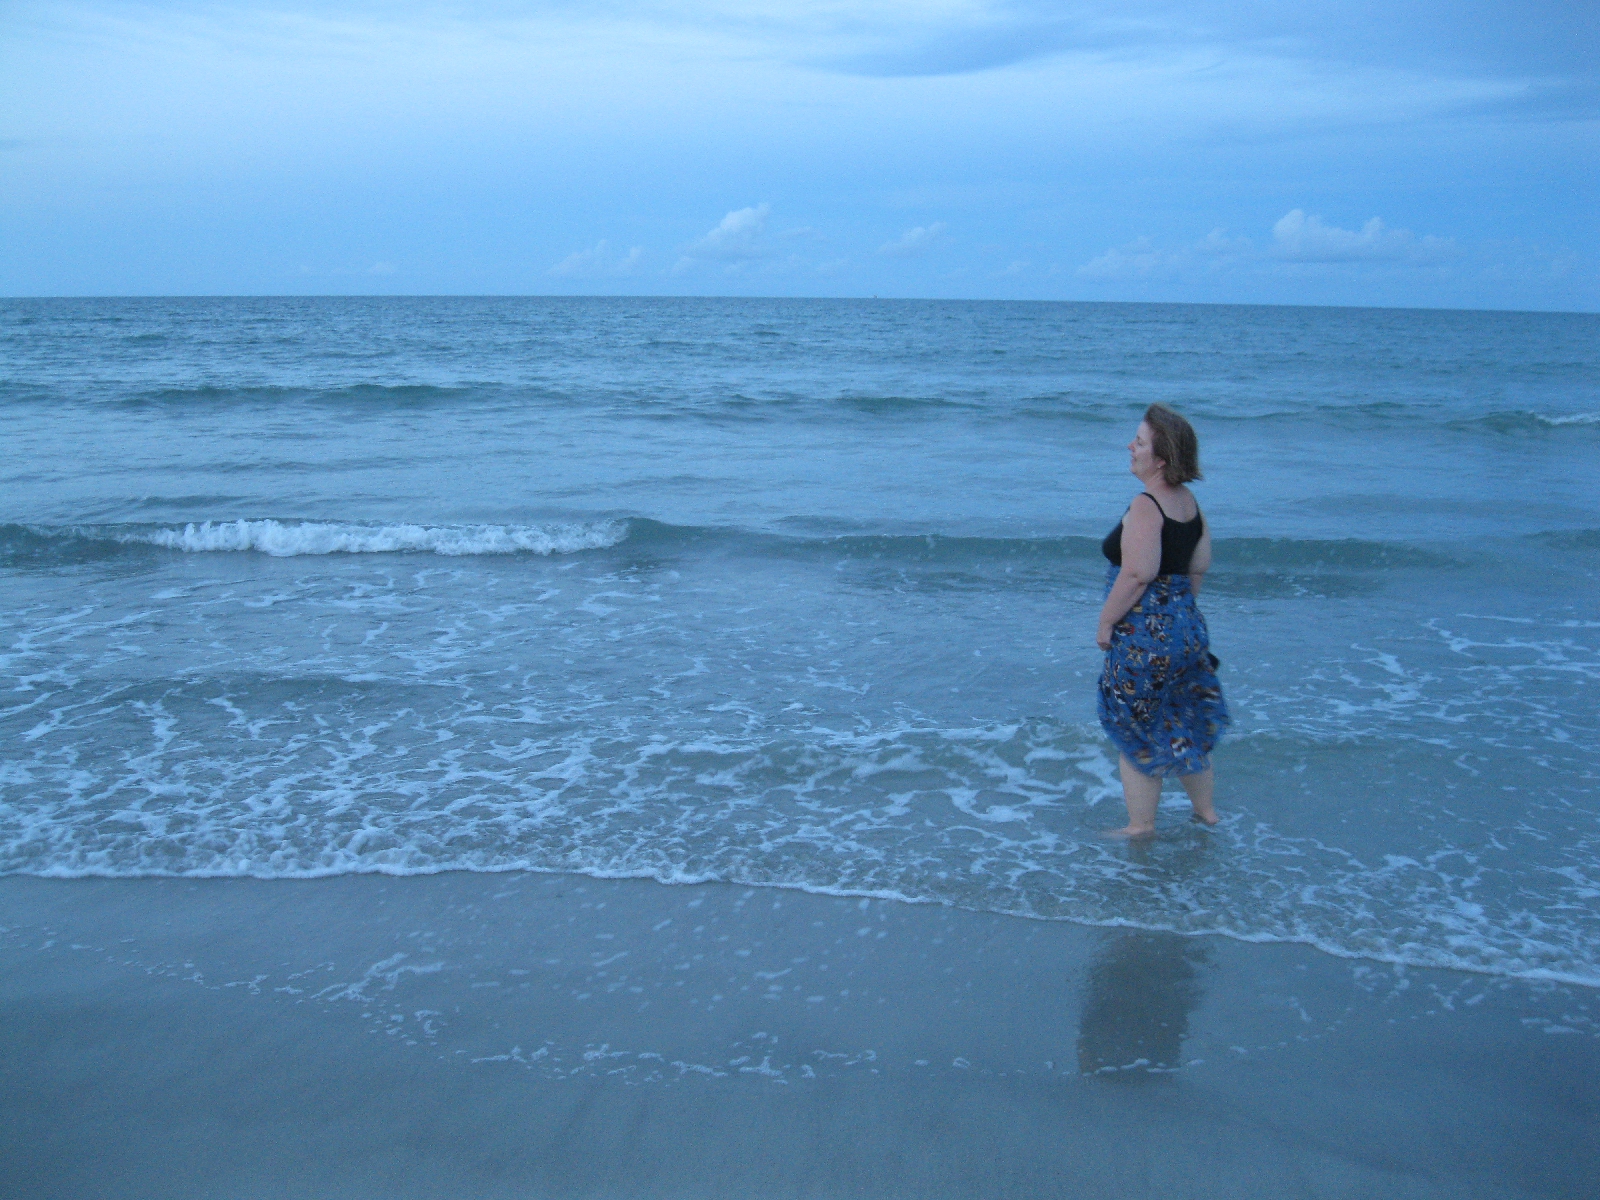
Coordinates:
(1592, 418)
(814, 810)
(320, 537)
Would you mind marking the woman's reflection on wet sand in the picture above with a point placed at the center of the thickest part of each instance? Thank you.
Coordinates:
(1143, 985)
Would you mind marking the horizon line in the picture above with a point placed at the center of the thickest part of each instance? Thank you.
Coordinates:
(769, 299)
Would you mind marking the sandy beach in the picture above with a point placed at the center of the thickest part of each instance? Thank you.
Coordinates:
(519, 1035)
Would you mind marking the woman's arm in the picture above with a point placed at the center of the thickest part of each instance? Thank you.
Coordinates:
(1200, 562)
(1141, 561)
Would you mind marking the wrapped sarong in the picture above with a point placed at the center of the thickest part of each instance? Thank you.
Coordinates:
(1160, 701)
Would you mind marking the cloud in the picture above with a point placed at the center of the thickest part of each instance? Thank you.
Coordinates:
(1139, 259)
(913, 241)
(1503, 39)
(1142, 259)
(380, 267)
(1528, 39)
(1296, 238)
(739, 237)
(1299, 238)
(599, 261)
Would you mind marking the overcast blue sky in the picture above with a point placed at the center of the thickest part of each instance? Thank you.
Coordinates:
(1412, 152)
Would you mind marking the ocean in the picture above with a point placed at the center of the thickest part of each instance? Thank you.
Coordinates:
(801, 594)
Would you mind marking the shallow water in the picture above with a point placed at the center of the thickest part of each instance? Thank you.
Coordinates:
(802, 593)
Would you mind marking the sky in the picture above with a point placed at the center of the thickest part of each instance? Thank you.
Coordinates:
(1434, 153)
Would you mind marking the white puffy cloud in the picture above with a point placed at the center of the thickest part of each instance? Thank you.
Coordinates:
(1296, 238)
(1138, 259)
(913, 241)
(1301, 238)
(738, 237)
(1142, 259)
(598, 261)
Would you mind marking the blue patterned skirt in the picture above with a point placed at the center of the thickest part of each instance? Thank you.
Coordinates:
(1160, 701)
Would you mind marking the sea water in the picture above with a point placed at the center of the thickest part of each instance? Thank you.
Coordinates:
(803, 594)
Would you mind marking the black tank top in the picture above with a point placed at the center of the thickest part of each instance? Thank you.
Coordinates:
(1178, 540)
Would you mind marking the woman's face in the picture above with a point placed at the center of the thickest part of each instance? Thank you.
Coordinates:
(1143, 461)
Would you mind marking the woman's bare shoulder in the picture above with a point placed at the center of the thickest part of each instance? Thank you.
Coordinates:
(1149, 510)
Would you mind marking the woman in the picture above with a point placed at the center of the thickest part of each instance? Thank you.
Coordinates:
(1159, 697)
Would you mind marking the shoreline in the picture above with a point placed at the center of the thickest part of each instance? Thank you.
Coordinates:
(434, 1035)
(1533, 976)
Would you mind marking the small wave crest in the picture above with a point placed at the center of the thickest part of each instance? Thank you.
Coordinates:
(34, 545)
(366, 395)
(1346, 554)
(924, 548)
(1523, 421)
(1569, 539)
(284, 540)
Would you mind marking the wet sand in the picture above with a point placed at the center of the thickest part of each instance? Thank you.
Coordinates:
(520, 1035)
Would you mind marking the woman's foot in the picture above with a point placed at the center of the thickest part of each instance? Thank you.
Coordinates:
(1207, 819)
(1142, 794)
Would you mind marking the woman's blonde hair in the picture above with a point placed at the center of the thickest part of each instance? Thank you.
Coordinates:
(1172, 440)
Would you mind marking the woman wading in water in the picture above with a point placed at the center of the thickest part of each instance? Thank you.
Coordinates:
(1159, 697)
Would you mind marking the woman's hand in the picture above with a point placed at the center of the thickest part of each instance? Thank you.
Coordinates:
(1103, 637)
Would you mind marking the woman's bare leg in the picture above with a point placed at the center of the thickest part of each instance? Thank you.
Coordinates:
(1141, 793)
(1199, 788)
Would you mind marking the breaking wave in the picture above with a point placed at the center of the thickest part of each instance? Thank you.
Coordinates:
(22, 545)
(1532, 422)
(285, 540)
